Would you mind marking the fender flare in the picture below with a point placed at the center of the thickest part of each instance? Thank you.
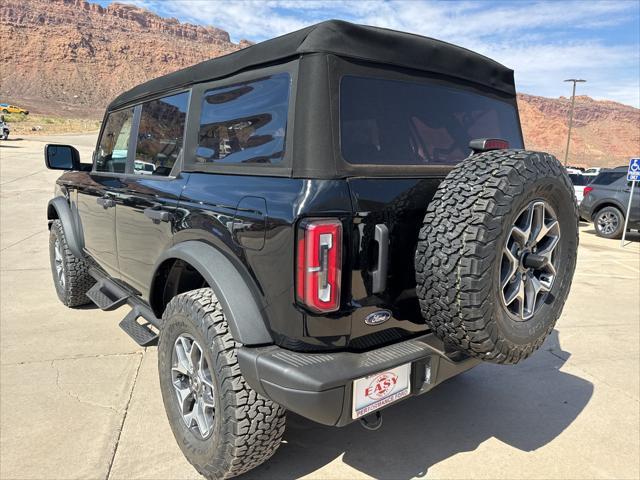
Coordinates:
(243, 314)
(75, 241)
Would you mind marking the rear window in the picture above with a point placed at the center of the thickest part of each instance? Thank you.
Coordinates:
(245, 122)
(390, 122)
(607, 178)
(580, 180)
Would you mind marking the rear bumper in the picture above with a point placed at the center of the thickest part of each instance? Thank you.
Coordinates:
(584, 214)
(318, 386)
(584, 209)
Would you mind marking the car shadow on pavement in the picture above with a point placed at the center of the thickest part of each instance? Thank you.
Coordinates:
(524, 406)
(630, 236)
(87, 306)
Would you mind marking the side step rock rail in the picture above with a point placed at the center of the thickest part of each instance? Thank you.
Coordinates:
(108, 295)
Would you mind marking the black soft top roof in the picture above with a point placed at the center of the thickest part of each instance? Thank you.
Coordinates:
(346, 40)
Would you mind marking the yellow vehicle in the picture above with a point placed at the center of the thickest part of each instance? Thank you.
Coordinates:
(6, 108)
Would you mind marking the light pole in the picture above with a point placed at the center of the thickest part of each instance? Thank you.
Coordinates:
(573, 100)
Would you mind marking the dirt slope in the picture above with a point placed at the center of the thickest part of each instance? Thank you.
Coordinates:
(70, 58)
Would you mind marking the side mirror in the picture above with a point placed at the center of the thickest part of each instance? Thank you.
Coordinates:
(61, 157)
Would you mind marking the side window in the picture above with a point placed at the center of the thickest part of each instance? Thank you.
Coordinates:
(245, 123)
(608, 178)
(160, 135)
(114, 143)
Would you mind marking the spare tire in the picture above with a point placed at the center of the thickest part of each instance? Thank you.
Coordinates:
(497, 252)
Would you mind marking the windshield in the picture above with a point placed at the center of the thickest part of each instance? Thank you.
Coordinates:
(390, 122)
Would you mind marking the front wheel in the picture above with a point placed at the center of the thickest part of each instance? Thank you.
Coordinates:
(609, 222)
(223, 427)
(70, 274)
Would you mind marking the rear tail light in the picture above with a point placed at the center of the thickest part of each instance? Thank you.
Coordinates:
(586, 191)
(479, 145)
(319, 264)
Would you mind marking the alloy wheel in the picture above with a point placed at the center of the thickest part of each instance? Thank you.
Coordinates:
(528, 267)
(58, 261)
(608, 223)
(193, 385)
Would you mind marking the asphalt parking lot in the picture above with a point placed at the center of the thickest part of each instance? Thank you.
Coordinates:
(79, 399)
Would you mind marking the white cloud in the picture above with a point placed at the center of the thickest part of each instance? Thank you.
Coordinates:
(544, 42)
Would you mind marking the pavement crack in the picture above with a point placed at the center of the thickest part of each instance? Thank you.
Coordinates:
(74, 357)
(124, 417)
(23, 269)
(20, 241)
(552, 352)
(22, 177)
(77, 397)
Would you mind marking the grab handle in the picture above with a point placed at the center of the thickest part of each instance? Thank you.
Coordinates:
(379, 275)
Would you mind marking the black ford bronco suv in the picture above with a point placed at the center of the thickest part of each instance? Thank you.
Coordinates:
(327, 222)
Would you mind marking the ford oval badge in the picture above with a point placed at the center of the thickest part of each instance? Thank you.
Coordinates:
(376, 318)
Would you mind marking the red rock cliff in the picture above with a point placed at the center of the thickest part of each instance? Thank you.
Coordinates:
(72, 57)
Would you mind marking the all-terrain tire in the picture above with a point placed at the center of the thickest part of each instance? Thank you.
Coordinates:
(248, 428)
(75, 271)
(459, 257)
(610, 217)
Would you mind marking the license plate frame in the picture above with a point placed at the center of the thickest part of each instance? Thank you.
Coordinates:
(380, 389)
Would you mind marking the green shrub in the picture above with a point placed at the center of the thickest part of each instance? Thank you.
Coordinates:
(15, 117)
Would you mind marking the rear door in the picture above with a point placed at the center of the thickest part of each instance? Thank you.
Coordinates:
(420, 125)
(97, 197)
(609, 187)
(150, 191)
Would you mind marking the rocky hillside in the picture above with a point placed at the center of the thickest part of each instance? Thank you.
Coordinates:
(604, 133)
(70, 58)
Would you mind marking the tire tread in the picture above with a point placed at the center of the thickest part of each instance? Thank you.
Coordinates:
(457, 248)
(253, 425)
(77, 278)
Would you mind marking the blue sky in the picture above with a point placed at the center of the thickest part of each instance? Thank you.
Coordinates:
(543, 41)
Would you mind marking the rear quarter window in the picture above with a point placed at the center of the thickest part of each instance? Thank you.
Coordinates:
(245, 123)
(391, 122)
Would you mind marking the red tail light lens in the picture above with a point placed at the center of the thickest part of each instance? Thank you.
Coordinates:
(496, 144)
(586, 191)
(319, 264)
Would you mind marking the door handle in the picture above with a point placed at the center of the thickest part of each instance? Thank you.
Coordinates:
(379, 275)
(106, 202)
(156, 215)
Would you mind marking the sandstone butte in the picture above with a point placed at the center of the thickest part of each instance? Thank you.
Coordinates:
(70, 57)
